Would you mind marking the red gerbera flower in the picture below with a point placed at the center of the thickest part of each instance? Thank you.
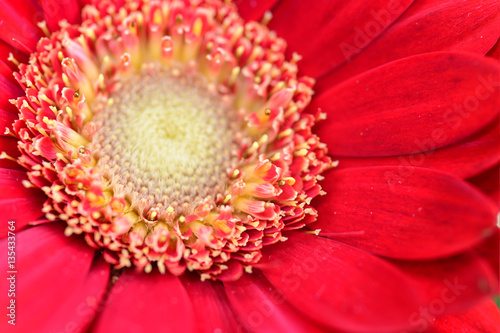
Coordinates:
(160, 169)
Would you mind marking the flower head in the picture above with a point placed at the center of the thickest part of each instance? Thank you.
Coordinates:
(173, 136)
(167, 154)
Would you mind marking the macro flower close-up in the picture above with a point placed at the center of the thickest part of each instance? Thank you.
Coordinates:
(249, 165)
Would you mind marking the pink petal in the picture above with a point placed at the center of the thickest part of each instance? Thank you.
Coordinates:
(81, 304)
(141, 302)
(451, 286)
(464, 159)
(338, 285)
(411, 105)
(49, 267)
(18, 203)
(485, 317)
(263, 308)
(217, 313)
(409, 213)
(18, 21)
(254, 9)
(337, 27)
(434, 25)
(56, 10)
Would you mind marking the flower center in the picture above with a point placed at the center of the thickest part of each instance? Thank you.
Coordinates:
(167, 138)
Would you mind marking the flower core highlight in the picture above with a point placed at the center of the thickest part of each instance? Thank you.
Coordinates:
(166, 139)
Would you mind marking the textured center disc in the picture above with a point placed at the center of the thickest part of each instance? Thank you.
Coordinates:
(167, 138)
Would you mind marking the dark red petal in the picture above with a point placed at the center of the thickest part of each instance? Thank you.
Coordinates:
(7, 67)
(337, 27)
(8, 145)
(141, 302)
(217, 313)
(488, 182)
(9, 90)
(451, 286)
(84, 2)
(56, 10)
(485, 317)
(494, 52)
(411, 105)
(253, 10)
(48, 268)
(489, 250)
(263, 308)
(427, 26)
(338, 285)
(81, 303)
(6, 120)
(25, 210)
(18, 24)
(464, 159)
(18, 203)
(408, 213)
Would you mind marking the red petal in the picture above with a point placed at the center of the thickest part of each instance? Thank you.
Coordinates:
(50, 267)
(233, 272)
(263, 308)
(428, 26)
(409, 213)
(253, 10)
(81, 303)
(141, 302)
(465, 159)
(56, 10)
(18, 203)
(18, 21)
(337, 27)
(217, 314)
(338, 285)
(451, 286)
(399, 108)
(485, 317)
